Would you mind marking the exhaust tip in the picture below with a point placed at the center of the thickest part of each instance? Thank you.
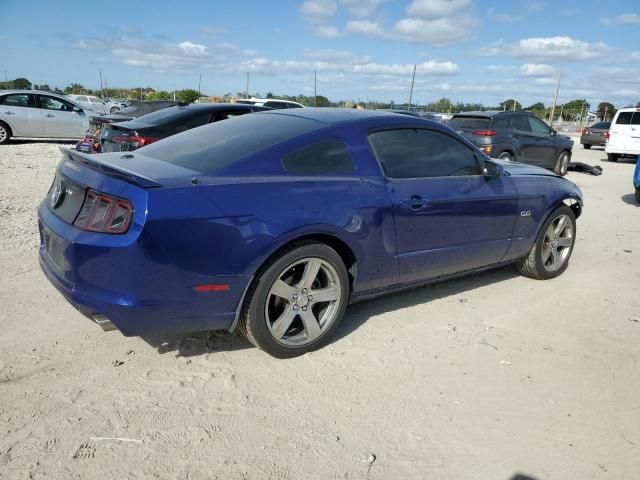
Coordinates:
(104, 323)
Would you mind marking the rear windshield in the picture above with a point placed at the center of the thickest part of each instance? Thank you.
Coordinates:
(469, 123)
(164, 115)
(628, 118)
(211, 147)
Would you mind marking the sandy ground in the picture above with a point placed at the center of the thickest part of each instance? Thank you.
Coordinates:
(486, 377)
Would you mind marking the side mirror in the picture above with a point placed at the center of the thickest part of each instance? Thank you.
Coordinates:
(77, 109)
(553, 132)
(491, 170)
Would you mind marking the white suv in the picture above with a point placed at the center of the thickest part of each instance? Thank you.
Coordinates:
(270, 102)
(624, 134)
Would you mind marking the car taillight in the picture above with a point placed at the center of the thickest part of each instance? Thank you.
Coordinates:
(104, 213)
(585, 131)
(484, 133)
(606, 134)
(135, 139)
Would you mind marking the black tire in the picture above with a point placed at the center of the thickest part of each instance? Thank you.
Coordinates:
(533, 264)
(586, 146)
(114, 110)
(638, 195)
(254, 323)
(506, 156)
(5, 133)
(562, 163)
(612, 157)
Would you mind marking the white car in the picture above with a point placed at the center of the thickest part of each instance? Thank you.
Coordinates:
(35, 114)
(91, 102)
(624, 134)
(270, 102)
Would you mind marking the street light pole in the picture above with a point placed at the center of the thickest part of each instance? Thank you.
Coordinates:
(555, 99)
(315, 88)
(412, 82)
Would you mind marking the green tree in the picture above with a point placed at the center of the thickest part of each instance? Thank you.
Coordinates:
(538, 109)
(322, 101)
(75, 89)
(606, 109)
(188, 95)
(17, 84)
(511, 105)
(574, 108)
(161, 95)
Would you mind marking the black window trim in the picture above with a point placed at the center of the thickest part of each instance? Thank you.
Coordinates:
(325, 174)
(63, 100)
(31, 96)
(453, 137)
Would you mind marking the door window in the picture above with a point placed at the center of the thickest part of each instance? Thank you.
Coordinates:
(519, 122)
(50, 103)
(624, 118)
(81, 99)
(537, 126)
(17, 100)
(418, 153)
(500, 124)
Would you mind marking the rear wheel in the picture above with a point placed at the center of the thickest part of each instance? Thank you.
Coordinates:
(586, 146)
(562, 164)
(638, 195)
(5, 133)
(549, 256)
(506, 156)
(612, 157)
(114, 110)
(296, 301)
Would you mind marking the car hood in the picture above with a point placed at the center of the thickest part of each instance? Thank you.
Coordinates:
(517, 168)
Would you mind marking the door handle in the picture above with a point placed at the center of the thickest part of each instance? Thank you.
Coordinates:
(48, 115)
(415, 203)
(9, 113)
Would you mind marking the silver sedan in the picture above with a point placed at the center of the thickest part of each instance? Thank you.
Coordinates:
(36, 114)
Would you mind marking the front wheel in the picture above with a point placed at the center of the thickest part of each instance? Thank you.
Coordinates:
(549, 256)
(562, 164)
(5, 133)
(586, 146)
(114, 110)
(506, 156)
(612, 157)
(297, 301)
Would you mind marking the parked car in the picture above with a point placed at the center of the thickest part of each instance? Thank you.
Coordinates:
(595, 135)
(115, 105)
(515, 136)
(273, 222)
(137, 108)
(36, 114)
(275, 103)
(136, 133)
(636, 180)
(624, 134)
(91, 102)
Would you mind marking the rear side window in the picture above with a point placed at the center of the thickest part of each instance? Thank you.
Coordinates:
(211, 147)
(328, 156)
(17, 100)
(500, 123)
(624, 118)
(469, 123)
(418, 153)
(635, 120)
(519, 122)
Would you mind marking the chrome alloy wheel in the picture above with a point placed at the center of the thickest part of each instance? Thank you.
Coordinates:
(3, 134)
(303, 302)
(557, 244)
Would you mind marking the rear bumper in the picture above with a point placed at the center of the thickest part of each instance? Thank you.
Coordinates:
(132, 287)
(591, 140)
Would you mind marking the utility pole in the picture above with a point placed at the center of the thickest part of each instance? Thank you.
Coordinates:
(412, 82)
(605, 113)
(101, 90)
(247, 92)
(5, 75)
(315, 88)
(199, 80)
(514, 105)
(561, 109)
(555, 99)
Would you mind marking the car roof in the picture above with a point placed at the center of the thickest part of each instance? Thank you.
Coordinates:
(213, 107)
(487, 113)
(4, 92)
(332, 116)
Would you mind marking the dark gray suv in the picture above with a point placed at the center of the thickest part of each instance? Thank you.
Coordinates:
(517, 136)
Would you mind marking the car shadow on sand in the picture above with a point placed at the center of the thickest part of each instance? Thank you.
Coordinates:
(630, 198)
(202, 343)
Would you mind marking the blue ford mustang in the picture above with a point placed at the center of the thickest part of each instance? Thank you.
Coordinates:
(273, 222)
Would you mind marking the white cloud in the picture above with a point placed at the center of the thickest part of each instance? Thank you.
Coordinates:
(491, 50)
(193, 49)
(498, 16)
(438, 32)
(432, 67)
(318, 11)
(326, 31)
(337, 56)
(559, 48)
(536, 70)
(624, 19)
(500, 69)
(533, 6)
(429, 9)
(368, 28)
(361, 8)
(545, 81)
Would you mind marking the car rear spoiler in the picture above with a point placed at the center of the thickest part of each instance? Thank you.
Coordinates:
(97, 163)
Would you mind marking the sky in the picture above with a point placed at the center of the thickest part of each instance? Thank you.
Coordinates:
(465, 50)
